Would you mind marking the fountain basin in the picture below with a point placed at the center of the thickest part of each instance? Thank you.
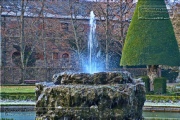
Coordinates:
(100, 96)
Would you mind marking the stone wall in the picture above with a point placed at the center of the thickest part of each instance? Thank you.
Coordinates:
(12, 75)
(100, 96)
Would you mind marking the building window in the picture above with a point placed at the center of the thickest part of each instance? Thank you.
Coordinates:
(65, 55)
(39, 56)
(16, 58)
(65, 60)
(64, 26)
(55, 55)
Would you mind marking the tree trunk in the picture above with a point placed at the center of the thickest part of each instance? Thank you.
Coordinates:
(22, 42)
(75, 33)
(0, 40)
(23, 74)
(107, 34)
(153, 71)
(178, 77)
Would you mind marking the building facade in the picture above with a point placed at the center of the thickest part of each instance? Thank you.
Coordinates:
(52, 35)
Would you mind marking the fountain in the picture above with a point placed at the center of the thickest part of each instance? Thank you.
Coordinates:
(92, 95)
(98, 96)
(93, 50)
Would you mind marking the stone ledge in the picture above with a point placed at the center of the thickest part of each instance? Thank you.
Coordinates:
(97, 96)
(161, 108)
(31, 107)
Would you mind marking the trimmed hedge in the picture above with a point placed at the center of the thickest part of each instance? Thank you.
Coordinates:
(17, 96)
(147, 83)
(160, 85)
(160, 98)
(150, 39)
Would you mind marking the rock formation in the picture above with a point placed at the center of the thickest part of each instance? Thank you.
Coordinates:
(99, 96)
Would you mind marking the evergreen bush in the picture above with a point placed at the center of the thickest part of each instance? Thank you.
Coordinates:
(162, 98)
(160, 85)
(150, 39)
(147, 83)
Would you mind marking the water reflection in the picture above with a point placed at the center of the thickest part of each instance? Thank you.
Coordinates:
(30, 115)
(167, 115)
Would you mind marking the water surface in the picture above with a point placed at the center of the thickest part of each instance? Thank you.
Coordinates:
(30, 115)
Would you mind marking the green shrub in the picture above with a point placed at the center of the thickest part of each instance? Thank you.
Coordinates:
(147, 83)
(18, 96)
(160, 85)
(150, 39)
(159, 98)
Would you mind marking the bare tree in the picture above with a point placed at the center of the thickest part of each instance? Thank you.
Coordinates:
(0, 41)
(116, 17)
(76, 33)
(25, 32)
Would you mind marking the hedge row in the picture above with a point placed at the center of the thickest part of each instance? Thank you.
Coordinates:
(17, 96)
(160, 85)
(146, 80)
(159, 98)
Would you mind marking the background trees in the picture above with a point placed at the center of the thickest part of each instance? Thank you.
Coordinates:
(24, 31)
(114, 19)
(14, 32)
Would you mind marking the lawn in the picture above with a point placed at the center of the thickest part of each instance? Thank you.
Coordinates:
(28, 92)
(17, 92)
(17, 89)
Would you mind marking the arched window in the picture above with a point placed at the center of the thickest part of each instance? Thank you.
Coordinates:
(39, 56)
(64, 26)
(55, 55)
(65, 60)
(16, 58)
(65, 55)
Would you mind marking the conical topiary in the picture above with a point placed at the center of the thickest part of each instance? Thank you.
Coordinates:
(150, 39)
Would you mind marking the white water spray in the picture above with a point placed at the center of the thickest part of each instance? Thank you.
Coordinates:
(94, 64)
(92, 42)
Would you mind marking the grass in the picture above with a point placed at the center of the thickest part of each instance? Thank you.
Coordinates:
(17, 92)
(17, 89)
(162, 98)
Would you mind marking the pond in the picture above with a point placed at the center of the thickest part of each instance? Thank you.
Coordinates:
(162, 115)
(30, 115)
